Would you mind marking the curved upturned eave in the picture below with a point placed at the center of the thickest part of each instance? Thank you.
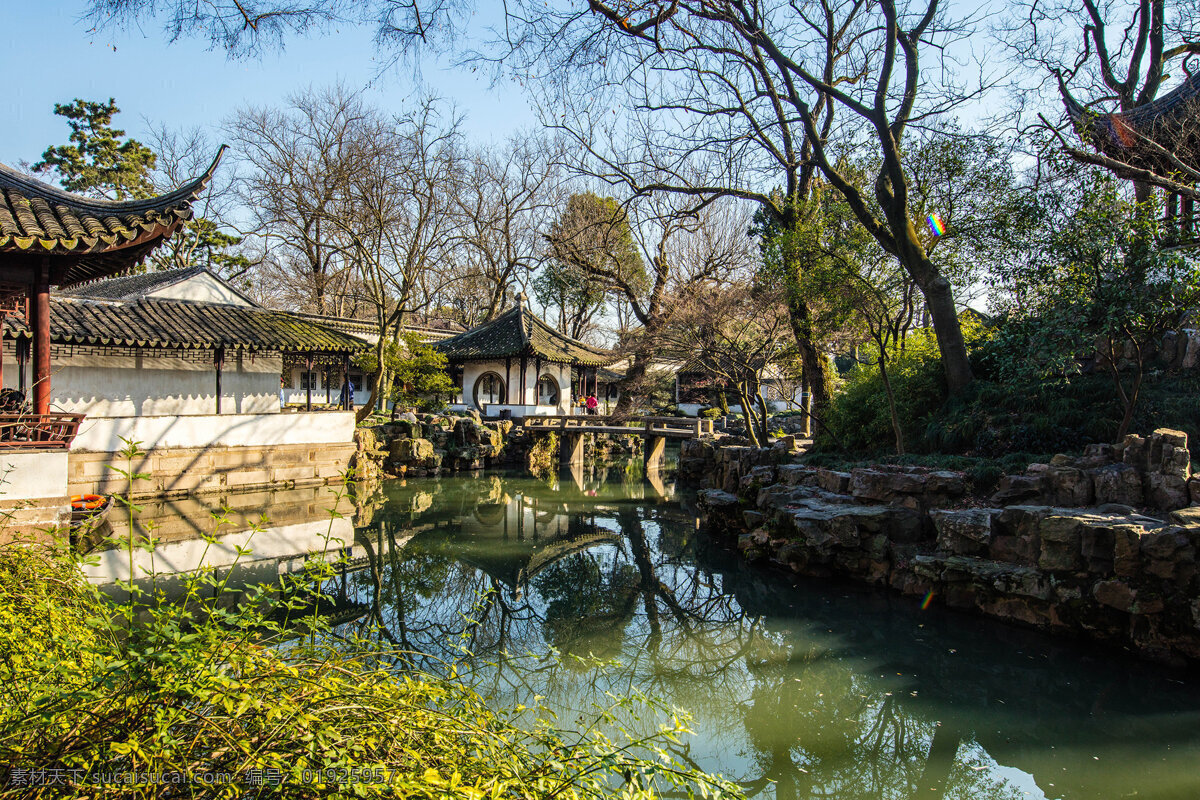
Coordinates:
(186, 193)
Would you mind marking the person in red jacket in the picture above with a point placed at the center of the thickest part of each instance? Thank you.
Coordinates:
(592, 403)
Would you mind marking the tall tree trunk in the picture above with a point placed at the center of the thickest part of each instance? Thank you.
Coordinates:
(631, 383)
(748, 414)
(812, 361)
(939, 299)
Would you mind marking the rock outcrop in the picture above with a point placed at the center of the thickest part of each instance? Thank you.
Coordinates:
(1063, 547)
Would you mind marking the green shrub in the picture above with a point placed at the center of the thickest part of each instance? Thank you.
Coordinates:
(859, 419)
(994, 418)
(710, 413)
(209, 688)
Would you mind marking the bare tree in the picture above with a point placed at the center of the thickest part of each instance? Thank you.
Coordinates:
(739, 95)
(507, 199)
(248, 28)
(683, 246)
(210, 238)
(398, 220)
(733, 333)
(297, 164)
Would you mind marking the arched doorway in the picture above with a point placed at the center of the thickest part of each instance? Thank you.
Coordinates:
(489, 389)
(547, 391)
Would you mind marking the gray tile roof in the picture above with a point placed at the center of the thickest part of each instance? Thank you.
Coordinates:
(177, 324)
(131, 287)
(88, 238)
(519, 332)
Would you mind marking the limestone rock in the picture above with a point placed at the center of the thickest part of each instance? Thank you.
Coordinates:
(1114, 594)
(1015, 489)
(833, 481)
(413, 450)
(1191, 349)
(715, 498)
(1118, 483)
(1187, 517)
(967, 532)
(1166, 492)
(883, 487)
(1061, 539)
(1069, 486)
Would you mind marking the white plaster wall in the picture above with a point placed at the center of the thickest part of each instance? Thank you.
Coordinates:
(32, 476)
(104, 434)
(155, 383)
(474, 370)
(202, 288)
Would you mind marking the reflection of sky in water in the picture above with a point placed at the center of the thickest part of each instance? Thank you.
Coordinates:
(798, 689)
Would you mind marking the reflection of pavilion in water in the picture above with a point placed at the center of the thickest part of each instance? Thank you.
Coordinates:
(512, 535)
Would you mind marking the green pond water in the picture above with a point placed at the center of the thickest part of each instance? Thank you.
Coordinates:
(796, 688)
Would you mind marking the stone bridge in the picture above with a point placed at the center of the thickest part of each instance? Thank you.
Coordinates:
(654, 430)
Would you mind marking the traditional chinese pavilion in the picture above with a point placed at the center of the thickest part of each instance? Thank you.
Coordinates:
(518, 364)
(1161, 136)
(51, 238)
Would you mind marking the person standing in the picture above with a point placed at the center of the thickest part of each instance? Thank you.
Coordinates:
(592, 403)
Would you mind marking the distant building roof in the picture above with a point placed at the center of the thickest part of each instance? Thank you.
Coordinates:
(178, 324)
(428, 328)
(519, 332)
(86, 238)
(1150, 135)
(133, 287)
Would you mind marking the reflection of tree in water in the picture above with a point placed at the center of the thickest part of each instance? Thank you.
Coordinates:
(587, 606)
(780, 702)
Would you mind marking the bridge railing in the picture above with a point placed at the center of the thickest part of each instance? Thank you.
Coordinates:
(635, 425)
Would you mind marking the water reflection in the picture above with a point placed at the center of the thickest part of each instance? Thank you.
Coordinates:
(797, 689)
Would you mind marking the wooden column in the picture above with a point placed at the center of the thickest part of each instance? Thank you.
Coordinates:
(508, 380)
(22, 349)
(524, 365)
(219, 363)
(308, 376)
(39, 308)
(3, 318)
(325, 376)
(349, 404)
(1187, 212)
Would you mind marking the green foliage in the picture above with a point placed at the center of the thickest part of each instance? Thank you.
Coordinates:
(254, 689)
(594, 253)
(1058, 415)
(201, 242)
(859, 418)
(1097, 273)
(418, 372)
(1098, 288)
(97, 161)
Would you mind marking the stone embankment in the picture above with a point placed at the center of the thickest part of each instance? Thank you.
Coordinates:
(1102, 546)
(419, 445)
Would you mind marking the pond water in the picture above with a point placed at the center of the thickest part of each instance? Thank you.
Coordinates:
(796, 688)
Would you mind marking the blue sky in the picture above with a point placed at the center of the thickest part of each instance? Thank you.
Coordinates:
(48, 56)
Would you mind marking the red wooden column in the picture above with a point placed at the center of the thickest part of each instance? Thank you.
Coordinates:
(39, 308)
